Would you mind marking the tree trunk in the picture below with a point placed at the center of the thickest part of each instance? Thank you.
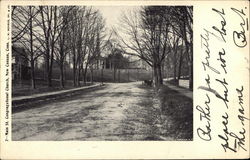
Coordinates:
(74, 70)
(190, 64)
(32, 74)
(175, 72)
(49, 79)
(191, 70)
(85, 74)
(137, 75)
(152, 75)
(85, 77)
(174, 63)
(155, 75)
(160, 80)
(20, 73)
(44, 69)
(180, 65)
(128, 75)
(91, 75)
(163, 70)
(47, 69)
(190, 59)
(79, 76)
(62, 75)
(31, 53)
(110, 65)
(76, 77)
(50, 72)
(102, 74)
(119, 78)
(114, 74)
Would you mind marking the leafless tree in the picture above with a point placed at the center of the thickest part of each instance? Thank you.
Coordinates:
(95, 41)
(155, 31)
(58, 31)
(174, 41)
(182, 18)
(86, 29)
(20, 24)
(63, 43)
(148, 30)
(49, 24)
(23, 23)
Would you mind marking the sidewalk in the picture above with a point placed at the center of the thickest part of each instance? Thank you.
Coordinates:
(23, 99)
(184, 91)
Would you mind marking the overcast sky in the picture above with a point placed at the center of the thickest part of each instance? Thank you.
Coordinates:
(112, 13)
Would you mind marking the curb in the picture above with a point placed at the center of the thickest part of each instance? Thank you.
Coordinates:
(21, 102)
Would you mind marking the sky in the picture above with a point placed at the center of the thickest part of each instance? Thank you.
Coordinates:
(112, 16)
(112, 13)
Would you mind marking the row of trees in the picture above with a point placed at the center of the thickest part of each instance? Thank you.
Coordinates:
(153, 32)
(58, 34)
(73, 34)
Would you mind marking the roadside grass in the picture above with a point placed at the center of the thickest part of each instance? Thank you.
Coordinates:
(39, 102)
(178, 112)
(105, 75)
(182, 83)
(122, 75)
(169, 113)
(24, 89)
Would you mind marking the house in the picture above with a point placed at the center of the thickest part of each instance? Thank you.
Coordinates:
(20, 65)
(99, 63)
(135, 63)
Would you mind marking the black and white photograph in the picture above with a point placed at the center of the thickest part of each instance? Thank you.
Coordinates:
(102, 73)
(144, 79)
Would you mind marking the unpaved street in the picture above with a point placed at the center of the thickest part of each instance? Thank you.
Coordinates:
(119, 111)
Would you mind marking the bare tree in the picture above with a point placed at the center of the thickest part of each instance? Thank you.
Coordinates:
(86, 29)
(174, 46)
(95, 41)
(148, 31)
(58, 31)
(180, 60)
(182, 16)
(28, 41)
(154, 32)
(62, 47)
(48, 21)
(20, 24)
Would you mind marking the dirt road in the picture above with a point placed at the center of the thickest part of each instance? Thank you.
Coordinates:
(119, 111)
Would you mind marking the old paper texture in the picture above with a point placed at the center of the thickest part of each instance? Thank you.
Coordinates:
(237, 76)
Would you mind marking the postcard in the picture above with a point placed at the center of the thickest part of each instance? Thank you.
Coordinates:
(124, 79)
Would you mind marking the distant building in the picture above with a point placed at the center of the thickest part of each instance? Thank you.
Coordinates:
(135, 63)
(99, 63)
(113, 56)
(20, 65)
